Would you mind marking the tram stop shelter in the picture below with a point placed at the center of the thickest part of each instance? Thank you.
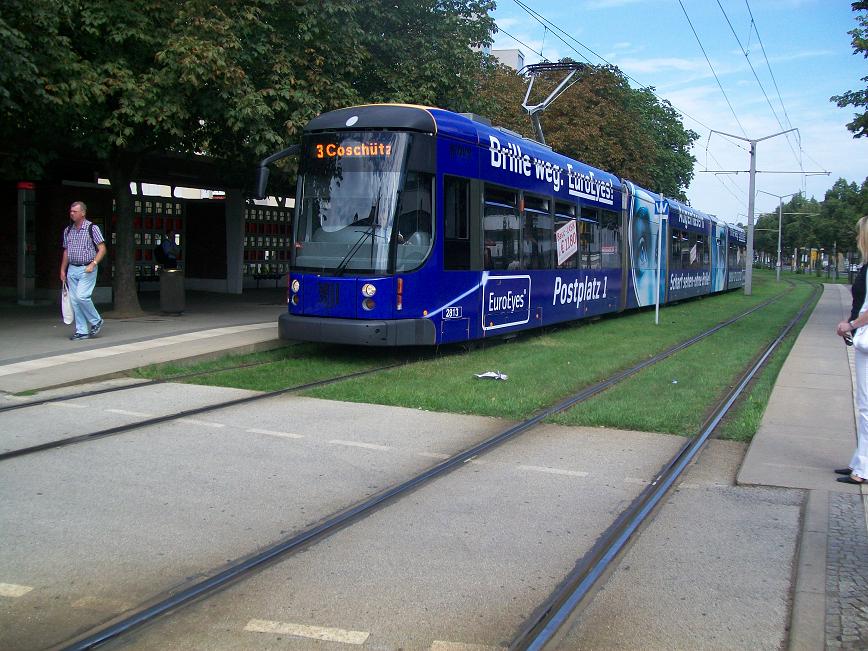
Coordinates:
(227, 242)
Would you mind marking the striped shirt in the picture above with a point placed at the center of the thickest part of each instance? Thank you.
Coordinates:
(79, 247)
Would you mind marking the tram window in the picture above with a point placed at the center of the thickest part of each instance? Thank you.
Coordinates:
(701, 252)
(414, 221)
(734, 258)
(456, 219)
(537, 235)
(564, 214)
(675, 249)
(686, 245)
(501, 232)
(589, 239)
(680, 238)
(610, 239)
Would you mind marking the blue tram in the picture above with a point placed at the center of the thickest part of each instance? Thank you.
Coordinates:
(418, 226)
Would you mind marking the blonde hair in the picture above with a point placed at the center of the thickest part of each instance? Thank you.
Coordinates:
(862, 237)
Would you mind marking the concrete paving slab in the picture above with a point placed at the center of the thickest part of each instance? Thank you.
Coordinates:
(836, 383)
(712, 571)
(35, 353)
(806, 428)
(463, 560)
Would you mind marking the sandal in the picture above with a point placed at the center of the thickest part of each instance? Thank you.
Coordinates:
(852, 479)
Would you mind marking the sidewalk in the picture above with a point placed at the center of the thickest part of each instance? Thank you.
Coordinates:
(36, 353)
(808, 430)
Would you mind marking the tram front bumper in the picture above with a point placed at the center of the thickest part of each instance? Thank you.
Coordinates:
(390, 332)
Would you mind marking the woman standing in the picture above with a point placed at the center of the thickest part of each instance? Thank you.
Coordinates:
(857, 472)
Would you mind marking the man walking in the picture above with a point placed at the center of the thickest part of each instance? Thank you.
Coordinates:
(83, 248)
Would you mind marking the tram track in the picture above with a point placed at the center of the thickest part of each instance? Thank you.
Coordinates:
(189, 413)
(175, 600)
(543, 629)
(136, 385)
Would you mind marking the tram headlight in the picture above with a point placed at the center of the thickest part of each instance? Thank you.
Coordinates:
(294, 299)
(368, 304)
(295, 286)
(368, 290)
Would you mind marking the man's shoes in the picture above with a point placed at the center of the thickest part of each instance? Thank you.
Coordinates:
(94, 329)
(79, 335)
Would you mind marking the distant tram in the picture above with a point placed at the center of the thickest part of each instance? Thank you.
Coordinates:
(416, 226)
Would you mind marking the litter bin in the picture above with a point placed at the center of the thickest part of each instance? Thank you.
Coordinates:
(172, 300)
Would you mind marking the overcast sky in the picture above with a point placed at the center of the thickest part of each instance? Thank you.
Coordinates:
(799, 50)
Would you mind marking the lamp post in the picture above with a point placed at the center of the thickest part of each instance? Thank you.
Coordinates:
(748, 271)
(781, 198)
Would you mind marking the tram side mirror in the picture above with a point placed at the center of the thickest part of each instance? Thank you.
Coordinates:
(262, 173)
(261, 181)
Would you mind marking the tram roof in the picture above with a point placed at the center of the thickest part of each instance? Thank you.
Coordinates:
(446, 123)
(428, 119)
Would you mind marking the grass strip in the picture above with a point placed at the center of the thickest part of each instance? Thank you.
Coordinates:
(677, 395)
(743, 421)
(545, 367)
(274, 369)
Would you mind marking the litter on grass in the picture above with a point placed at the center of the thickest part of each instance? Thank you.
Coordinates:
(492, 375)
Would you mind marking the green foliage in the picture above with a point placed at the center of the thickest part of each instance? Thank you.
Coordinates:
(601, 121)
(116, 80)
(419, 52)
(829, 224)
(857, 98)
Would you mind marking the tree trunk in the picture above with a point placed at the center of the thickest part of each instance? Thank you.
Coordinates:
(126, 299)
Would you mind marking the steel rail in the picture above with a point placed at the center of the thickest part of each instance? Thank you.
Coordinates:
(144, 383)
(177, 599)
(543, 631)
(119, 429)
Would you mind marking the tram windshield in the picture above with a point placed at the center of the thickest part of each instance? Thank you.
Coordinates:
(359, 209)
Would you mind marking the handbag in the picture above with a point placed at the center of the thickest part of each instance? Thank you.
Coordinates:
(66, 304)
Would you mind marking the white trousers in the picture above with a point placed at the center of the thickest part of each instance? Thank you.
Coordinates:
(859, 462)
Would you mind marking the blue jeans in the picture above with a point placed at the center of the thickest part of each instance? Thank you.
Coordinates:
(81, 286)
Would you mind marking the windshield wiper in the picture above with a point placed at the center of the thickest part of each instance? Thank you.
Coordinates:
(369, 231)
(345, 261)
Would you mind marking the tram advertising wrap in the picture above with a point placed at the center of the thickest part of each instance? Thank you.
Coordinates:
(418, 226)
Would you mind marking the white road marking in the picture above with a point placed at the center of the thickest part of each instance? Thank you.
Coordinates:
(100, 603)
(70, 405)
(635, 480)
(124, 412)
(441, 645)
(357, 444)
(433, 455)
(313, 632)
(269, 432)
(203, 423)
(12, 590)
(555, 471)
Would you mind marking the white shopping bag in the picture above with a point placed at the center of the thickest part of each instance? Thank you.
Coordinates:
(66, 304)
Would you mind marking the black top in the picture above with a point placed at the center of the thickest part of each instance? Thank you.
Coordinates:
(858, 292)
(375, 116)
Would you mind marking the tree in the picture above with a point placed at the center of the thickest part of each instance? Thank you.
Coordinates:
(423, 51)
(117, 80)
(603, 122)
(857, 98)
